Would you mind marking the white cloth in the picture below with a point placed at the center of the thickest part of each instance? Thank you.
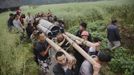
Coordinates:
(29, 18)
(43, 66)
(92, 49)
(65, 68)
(86, 68)
(17, 25)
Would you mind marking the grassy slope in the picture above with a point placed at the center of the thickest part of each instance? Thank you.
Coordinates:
(17, 59)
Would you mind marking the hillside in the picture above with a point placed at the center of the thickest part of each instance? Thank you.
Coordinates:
(17, 58)
(16, 3)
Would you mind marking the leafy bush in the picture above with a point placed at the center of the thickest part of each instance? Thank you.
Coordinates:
(123, 62)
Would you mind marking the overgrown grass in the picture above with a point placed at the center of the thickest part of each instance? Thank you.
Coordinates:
(17, 59)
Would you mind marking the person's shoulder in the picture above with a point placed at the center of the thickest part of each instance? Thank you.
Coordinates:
(38, 44)
(38, 47)
(14, 20)
(111, 26)
(86, 63)
(56, 67)
(35, 42)
(45, 42)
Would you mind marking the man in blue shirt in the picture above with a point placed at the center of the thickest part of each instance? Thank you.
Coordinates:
(41, 52)
(113, 35)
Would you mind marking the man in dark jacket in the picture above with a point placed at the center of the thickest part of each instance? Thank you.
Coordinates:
(101, 59)
(62, 67)
(10, 21)
(41, 52)
(29, 29)
(113, 35)
(82, 28)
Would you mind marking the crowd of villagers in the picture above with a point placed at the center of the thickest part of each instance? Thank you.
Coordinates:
(27, 24)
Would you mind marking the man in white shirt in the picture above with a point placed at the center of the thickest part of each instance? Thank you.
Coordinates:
(29, 18)
(93, 69)
(17, 24)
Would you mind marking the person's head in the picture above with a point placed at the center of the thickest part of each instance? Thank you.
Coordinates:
(84, 35)
(29, 24)
(59, 37)
(61, 58)
(61, 23)
(18, 12)
(23, 16)
(41, 36)
(114, 21)
(83, 26)
(49, 12)
(35, 34)
(103, 57)
(55, 18)
(16, 16)
(50, 18)
(42, 14)
(11, 15)
(36, 20)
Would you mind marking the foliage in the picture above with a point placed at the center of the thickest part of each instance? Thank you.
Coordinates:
(15, 58)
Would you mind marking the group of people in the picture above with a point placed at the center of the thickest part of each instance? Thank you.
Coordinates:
(27, 23)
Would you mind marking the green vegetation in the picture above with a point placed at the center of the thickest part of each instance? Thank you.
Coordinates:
(17, 59)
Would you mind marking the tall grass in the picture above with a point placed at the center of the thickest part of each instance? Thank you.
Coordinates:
(15, 58)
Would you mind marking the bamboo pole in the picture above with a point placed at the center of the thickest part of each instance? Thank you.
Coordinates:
(80, 50)
(55, 46)
(87, 43)
(58, 48)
